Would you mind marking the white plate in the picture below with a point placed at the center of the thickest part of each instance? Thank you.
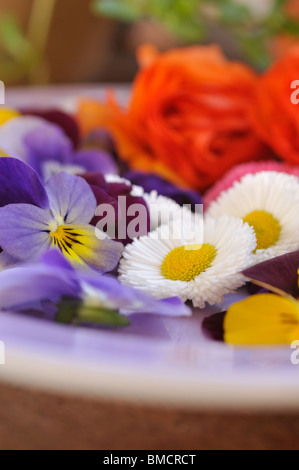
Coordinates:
(158, 360)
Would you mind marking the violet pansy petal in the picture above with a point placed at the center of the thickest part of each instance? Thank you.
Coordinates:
(280, 272)
(55, 259)
(173, 306)
(47, 143)
(131, 301)
(24, 231)
(34, 283)
(7, 261)
(95, 161)
(19, 183)
(71, 198)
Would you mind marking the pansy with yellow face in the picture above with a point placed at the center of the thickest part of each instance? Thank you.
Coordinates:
(202, 267)
(35, 218)
(269, 202)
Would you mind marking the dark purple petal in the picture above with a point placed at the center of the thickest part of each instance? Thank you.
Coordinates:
(96, 180)
(97, 161)
(109, 193)
(47, 143)
(213, 326)
(66, 122)
(19, 183)
(280, 272)
(150, 181)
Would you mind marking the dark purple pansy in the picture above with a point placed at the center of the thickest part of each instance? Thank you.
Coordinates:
(110, 193)
(280, 272)
(150, 181)
(213, 326)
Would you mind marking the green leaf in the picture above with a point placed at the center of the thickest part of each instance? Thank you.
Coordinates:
(11, 35)
(67, 310)
(232, 13)
(101, 316)
(116, 9)
(256, 51)
(71, 310)
(291, 26)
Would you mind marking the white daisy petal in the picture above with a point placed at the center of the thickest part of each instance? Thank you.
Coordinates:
(163, 209)
(276, 194)
(136, 191)
(232, 240)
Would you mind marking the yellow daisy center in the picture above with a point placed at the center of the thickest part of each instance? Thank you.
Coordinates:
(186, 262)
(267, 228)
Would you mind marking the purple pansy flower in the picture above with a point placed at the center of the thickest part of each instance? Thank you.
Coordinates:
(53, 279)
(34, 217)
(46, 148)
(49, 151)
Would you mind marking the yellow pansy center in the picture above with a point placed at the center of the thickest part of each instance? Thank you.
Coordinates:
(267, 228)
(68, 239)
(186, 262)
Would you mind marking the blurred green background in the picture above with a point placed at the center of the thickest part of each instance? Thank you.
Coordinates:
(71, 41)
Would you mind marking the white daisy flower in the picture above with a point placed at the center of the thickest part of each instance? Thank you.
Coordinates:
(202, 269)
(269, 202)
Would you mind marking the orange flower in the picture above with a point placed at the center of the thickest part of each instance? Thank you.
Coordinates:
(275, 117)
(188, 118)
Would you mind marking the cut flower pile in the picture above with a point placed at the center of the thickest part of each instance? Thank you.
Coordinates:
(101, 210)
